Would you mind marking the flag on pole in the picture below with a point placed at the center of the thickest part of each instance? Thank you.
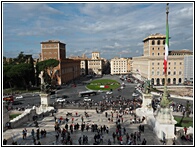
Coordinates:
(166, 47)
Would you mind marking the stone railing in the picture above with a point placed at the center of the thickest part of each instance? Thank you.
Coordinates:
(28, 114)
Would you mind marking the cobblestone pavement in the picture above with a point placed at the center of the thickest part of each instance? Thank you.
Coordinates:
(47, 123)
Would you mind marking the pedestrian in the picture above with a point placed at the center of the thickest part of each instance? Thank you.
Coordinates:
(144, 142)
(109, 142)
(164, 140)
(57, 137)
(32, 133)
(174, 141)
(80, 140)
(185, 130)
(82, 118)
(4, 142)
(39, 143)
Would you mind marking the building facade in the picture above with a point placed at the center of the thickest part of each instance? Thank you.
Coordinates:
(188, 68)
(68, 69)
(150, 66)
(95, 64)
(83, 63)
(120, 65)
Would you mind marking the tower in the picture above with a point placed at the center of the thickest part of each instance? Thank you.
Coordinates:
(53, 49)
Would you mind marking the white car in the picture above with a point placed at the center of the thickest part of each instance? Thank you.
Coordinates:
(87, 99)
(60, 100)
(19, 97)
(100, 91)
(135, 95)
(108, 93)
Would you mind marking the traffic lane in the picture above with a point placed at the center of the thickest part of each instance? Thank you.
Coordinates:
(177, 100)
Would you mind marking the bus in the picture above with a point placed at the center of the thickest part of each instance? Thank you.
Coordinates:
(87, 93)
(8, 98)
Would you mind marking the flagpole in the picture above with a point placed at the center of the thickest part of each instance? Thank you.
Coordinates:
(164, 101)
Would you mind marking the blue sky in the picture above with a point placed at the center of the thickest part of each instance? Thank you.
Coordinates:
(113, 29)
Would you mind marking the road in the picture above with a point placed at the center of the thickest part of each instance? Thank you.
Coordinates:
(72, 92)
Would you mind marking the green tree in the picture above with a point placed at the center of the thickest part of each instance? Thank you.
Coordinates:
(47, 66)
(20, 74)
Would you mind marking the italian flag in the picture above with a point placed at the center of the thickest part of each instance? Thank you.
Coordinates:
(166, 47)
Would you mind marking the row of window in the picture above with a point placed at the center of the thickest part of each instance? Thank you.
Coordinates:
(169, 73)
(120, 71)
(157, 54)
(50, 52)
(180, 63)
(158, 48)
(49, 46)
(158, 42)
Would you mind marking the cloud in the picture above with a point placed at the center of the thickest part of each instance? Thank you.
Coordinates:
(105, 27)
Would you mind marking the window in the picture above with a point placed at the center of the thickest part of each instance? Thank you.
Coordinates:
(158, 48)
(169, 63)
(174, 67)
(168, 72)
(180, 63)
(180, 72)
(152, 72)
(157, 72)
(174, 73)
(157, 63)
(158, 53)
(164, 43)
(153, 53)
(153, 48)
(152, 42)
(152, 63)
(158, 42)
(174, 63)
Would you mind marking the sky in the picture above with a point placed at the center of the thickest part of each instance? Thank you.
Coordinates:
(113, 29)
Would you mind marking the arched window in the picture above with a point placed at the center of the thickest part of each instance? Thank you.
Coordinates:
(152, 81)
(174, 80)
(169, 81)
(158, 81)
(163, 81)
(158, 42)
(164, 43)
(179, 80)
(152, 42)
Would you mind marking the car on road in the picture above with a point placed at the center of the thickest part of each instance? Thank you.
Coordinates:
(135, 95)
(52, 97)
(100, 91)
(19, 97)
(65, 96)
(35, 94)
(60, 100)
(108, 93)
(86, 99)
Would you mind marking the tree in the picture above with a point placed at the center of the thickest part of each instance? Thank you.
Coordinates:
(19, 75)
(47, 66)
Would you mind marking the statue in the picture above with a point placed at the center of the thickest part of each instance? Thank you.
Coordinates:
(41, 77)
(147, 87)
(44, 87)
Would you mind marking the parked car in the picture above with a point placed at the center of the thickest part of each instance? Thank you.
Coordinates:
(19, 97)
